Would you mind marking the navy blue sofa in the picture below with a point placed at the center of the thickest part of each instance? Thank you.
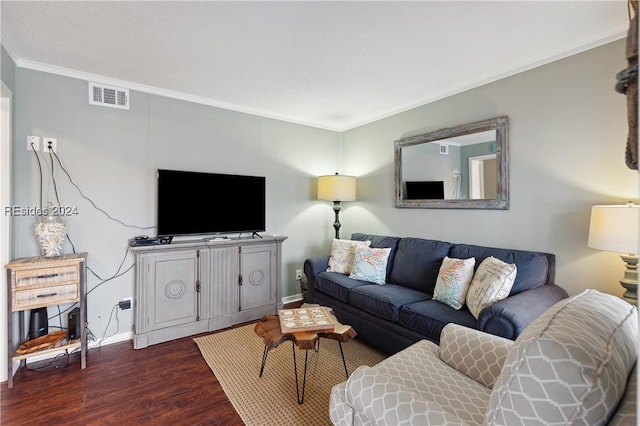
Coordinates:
(395, 315)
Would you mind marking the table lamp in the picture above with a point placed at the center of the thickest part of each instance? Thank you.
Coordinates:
(337, 188)
(615, 228)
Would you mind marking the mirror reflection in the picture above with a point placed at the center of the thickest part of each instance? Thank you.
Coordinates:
(459, 167)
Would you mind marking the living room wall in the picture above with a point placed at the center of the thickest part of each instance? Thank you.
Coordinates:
(567, 136)
(112, 155)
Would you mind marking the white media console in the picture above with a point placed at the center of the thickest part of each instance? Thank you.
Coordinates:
(192, 287)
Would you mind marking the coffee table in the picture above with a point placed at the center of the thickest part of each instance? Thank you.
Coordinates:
(268, 328)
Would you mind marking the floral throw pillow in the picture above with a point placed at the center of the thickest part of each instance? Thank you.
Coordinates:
(342, 255)
(453, 281)
(370, 264)
(491, 282)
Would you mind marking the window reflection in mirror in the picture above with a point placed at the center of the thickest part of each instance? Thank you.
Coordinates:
(459, 167)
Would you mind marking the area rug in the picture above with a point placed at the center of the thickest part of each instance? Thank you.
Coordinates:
(235, 356)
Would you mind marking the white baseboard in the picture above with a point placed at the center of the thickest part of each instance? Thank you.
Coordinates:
(116, 338)
(292, 299)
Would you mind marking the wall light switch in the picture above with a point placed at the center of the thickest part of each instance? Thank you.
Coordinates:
(50, 144)
(33, 143)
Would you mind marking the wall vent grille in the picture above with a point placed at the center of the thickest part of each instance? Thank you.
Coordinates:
(114, 97)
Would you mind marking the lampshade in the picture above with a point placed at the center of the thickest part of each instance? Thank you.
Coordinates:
(614, 228)
(337, 188)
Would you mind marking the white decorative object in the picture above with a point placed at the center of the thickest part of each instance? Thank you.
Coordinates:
(50, 232)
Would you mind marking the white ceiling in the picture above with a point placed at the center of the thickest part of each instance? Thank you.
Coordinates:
(329, 64)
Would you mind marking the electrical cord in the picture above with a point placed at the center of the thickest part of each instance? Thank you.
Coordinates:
(115, 309)
(55, 363)
(114, 276)
(53, 178)
(35, 152)
(53, 153)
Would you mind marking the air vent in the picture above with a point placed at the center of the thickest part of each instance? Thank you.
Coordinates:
(114, 97)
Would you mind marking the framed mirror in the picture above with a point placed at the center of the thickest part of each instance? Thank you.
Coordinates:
(462, 167)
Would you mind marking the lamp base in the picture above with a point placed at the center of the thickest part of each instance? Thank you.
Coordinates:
(630, 280)
(336, 223)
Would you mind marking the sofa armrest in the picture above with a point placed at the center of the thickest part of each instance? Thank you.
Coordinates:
(312, 267)
(508, 317)
(474, 353)
(376, 399)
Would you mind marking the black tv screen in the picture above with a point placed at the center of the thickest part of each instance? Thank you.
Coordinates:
(209, 203)
(425, 190)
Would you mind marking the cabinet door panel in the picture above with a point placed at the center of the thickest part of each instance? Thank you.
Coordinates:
(258, 278)
(223, 278)
(173, 293)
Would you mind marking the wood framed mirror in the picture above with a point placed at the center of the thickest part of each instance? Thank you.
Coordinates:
(462, 167)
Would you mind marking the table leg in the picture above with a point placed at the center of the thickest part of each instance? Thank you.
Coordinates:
(295, 371)
(344, 363)
(264, 359)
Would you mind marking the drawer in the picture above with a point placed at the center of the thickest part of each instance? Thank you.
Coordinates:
(41, 277)
(43, 296)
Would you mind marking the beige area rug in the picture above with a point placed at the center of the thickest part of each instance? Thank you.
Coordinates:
(235, 356)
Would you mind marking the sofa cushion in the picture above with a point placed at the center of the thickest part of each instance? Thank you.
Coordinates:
(342, 255)
(336, 285)
(428, 317)
(380, 241)
(370, 264)
(533, 268)
(384, 301)
(569, 366)
(491, 282)
(453, 281)
(417, 263)
(414, 387)
(474, 353)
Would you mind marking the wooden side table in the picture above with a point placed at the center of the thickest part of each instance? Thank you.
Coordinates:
(34, 282)
(268, 328)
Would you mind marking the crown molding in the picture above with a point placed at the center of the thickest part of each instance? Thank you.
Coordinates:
(596, 41)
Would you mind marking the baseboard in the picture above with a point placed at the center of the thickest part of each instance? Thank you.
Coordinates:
(116, 338)
(292, 299)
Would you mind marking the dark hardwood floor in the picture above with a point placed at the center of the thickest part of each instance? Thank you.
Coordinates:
(168, 383)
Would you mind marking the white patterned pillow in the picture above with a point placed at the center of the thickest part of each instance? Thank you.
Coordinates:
(342, 255)
(370, 264)
(453, 281)
(491, 282)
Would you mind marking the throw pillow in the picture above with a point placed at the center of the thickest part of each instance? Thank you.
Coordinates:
(342, 254)
(370, 264)
(453, 281)
(491, 282)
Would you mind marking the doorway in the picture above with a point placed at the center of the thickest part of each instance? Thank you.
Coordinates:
(483, 177)
(5, 219)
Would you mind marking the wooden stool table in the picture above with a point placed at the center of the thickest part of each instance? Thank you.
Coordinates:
(268, 328)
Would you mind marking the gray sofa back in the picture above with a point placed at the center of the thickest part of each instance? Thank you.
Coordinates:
(415, 262)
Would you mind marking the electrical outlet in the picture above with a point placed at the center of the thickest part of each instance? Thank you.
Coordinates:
(126, 303)
(33, 143)
(50, 144)
(298, 274)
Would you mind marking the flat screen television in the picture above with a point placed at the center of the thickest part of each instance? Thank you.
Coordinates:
(425, 190)
(192, 203)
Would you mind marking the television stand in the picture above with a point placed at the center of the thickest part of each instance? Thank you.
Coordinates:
(255, 234)
(192, 287)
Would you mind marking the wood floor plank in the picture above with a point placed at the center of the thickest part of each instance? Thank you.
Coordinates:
(169, 383)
